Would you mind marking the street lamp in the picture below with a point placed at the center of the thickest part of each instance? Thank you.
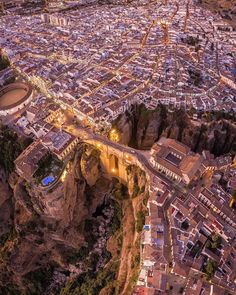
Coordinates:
(114, 135)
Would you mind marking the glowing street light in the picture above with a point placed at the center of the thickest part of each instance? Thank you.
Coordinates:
(114, 135)
(63, 176)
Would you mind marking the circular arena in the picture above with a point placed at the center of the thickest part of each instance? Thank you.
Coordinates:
(14, 97)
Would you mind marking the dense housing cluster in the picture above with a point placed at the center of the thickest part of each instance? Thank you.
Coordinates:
(99, 61)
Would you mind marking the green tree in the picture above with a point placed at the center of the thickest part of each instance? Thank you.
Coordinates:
(216, 241)
(210, 268)
(4, 61)
(10, 147)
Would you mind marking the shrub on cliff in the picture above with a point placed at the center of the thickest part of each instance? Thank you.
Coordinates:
(10, 146)
(39, 279)
(117, 218)
(120, 191)
(92, 282)
(4, 62)
(140, 221)
(136, 190)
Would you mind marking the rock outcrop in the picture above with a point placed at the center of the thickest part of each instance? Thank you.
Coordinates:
(132, 206)
(140, 128)
(84, 172)
(41, 228)
(90, 165)
(6, 205)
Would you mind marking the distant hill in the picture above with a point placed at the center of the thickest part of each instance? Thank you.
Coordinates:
(226, 8)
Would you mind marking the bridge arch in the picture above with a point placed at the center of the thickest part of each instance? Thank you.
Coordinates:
(114, 165)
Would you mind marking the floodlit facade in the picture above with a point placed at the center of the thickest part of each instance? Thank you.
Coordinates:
(175, 160)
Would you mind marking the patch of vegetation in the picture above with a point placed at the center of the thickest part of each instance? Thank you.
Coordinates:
(234, 197)
(145, 113)
(90, 230)
(10, 146)
(142, 189)
(91, 283)
(210, 269)
(10, 235)
(120, 191)
(219, 115)
(191, 40)
(39, 279)
(89, 195)
(185, 225)
(140, 221)
(137, 174)
(136, 190)
(135, 261)
(215, 242)
(10, 290)
(146, 198)
(196, 249)
(77, 255)
(4, 62)
(117, 218)
(92, 261)
(195, 77)
(46, 166)
(129, 169)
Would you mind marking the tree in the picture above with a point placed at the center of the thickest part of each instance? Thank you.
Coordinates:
(216, 241)
(234, 196)
(4, 61)
(210, 269)
(140, 221)
(10, 148)
(120, 191)
(136, 190)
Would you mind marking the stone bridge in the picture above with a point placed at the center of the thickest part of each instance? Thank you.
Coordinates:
(114, 161)
(115, 158)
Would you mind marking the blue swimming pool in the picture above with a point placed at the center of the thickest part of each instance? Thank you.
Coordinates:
(47, 180)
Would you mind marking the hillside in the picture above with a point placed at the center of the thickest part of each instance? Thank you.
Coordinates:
(226, 8)
(79, 238)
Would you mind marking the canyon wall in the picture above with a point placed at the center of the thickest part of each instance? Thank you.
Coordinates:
(140, 128)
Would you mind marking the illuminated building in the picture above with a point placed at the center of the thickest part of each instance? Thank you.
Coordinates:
(175, 160)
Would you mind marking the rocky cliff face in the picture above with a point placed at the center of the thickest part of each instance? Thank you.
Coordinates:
(140, 128)
(6, 206)
(40, 229)
(84, 173)
(50, 238)
(134, 210)
(226, 9)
